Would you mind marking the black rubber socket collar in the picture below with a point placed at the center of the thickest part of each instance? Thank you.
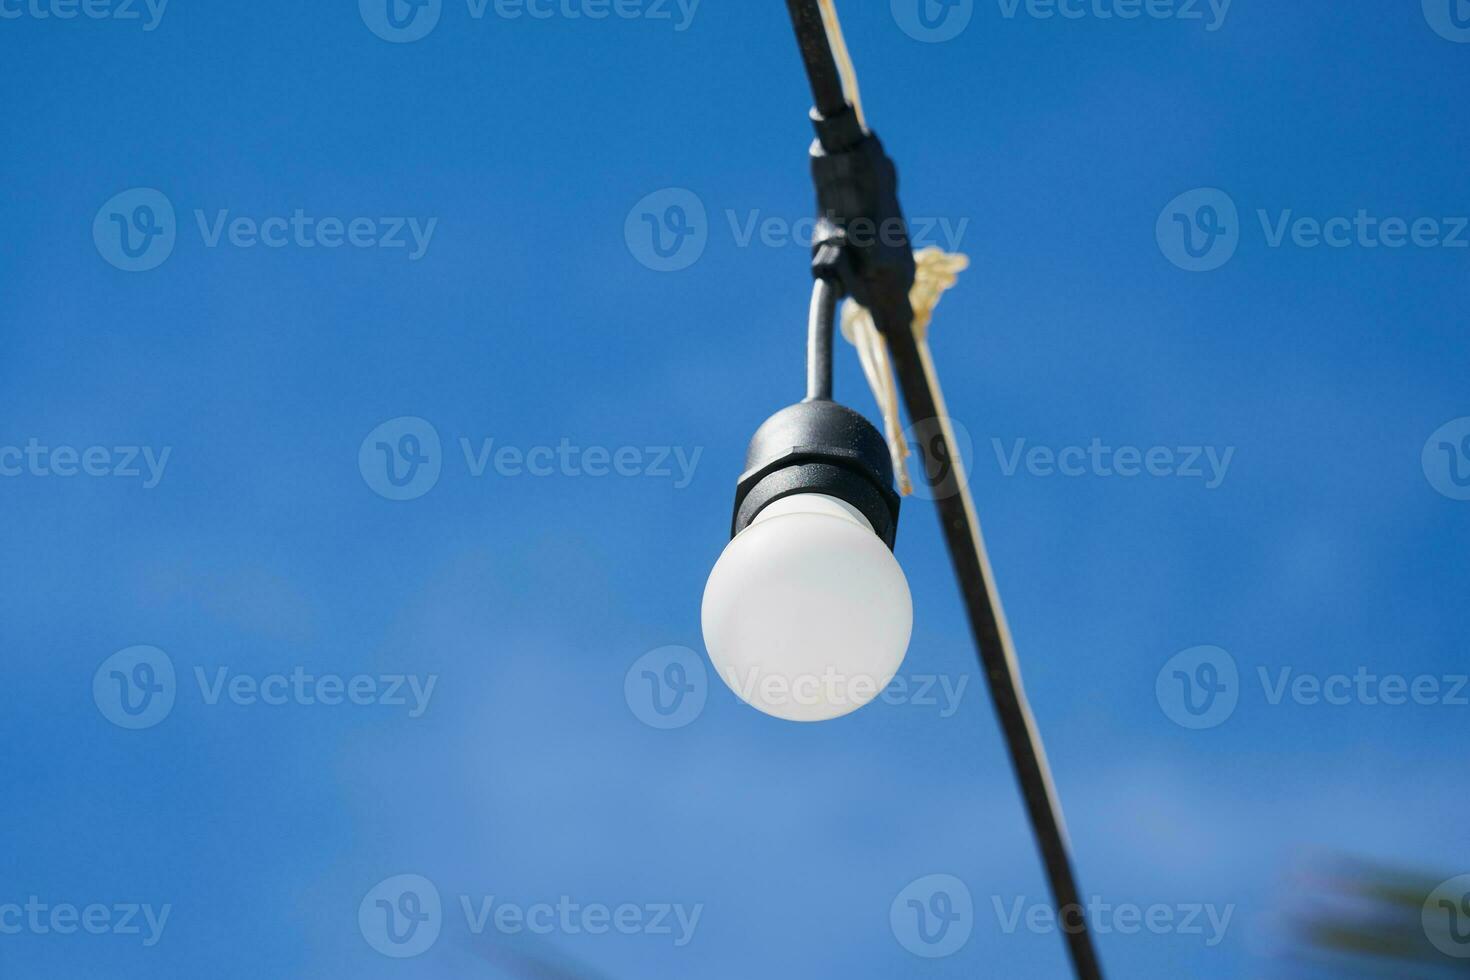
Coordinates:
(821, 447)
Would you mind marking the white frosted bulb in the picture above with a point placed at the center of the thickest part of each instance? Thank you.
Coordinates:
(807, 614)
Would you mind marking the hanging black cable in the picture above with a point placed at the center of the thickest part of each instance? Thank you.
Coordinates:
(856, 181)
(819, 341)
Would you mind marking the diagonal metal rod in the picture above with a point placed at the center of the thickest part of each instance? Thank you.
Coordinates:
(961, 526)
(816, 53)
(925, 405)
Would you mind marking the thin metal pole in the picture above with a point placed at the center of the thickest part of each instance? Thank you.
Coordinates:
(925, 404)
(816, 53)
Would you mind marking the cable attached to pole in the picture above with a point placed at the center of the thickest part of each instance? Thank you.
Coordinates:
(857, 182)
(816, 51)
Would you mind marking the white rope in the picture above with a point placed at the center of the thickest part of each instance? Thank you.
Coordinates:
(937, 271)
(844, 59)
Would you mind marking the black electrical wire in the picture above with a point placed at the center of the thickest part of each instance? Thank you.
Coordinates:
(819, 341)
(816, 52)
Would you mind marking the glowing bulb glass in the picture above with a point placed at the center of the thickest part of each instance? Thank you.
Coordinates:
(807, 614)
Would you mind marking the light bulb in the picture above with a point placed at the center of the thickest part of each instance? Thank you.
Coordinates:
(807, 614)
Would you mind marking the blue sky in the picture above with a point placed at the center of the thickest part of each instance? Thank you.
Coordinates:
(447, 231)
